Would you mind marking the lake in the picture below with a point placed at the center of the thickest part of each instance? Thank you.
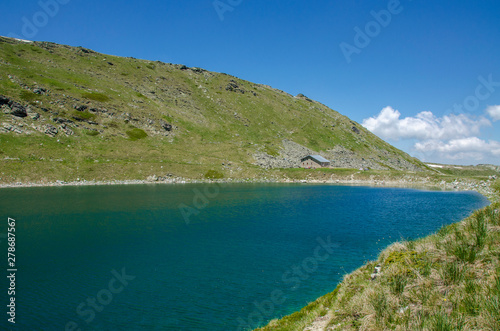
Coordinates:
(199, 256)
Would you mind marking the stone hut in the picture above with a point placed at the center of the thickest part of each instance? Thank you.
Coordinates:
(314, 161)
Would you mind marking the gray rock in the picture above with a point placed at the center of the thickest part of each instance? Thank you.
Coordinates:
(4, 100)
(5, 109)
(98, 110)
(291, 153)
(66, 129)
(303, 97)
(80, 108)
(51, 130)
(8, 126)
(233, 86)
(62, 120)
(166, 126)
(152, 178)
(34, 116)
(197, 70)
(16, 108)
(76, 118)
(376, 272)
(85, 50)
(40, 91)
(290, 156)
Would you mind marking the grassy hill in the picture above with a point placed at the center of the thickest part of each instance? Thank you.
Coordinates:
(69, 112)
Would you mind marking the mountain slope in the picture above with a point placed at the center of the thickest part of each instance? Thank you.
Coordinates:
(69, 112)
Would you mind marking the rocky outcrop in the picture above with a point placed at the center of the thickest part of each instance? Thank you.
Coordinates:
(99, 110)
(289, 156)
(11, 107)
(7, 127)
(81, 107)
(67, 130)
(40, 90)
(341, 157)
(376, 272)
(166, 126)
(302, 97)
(62, 120)
(51, 130)
(291, 153)
(233, 86)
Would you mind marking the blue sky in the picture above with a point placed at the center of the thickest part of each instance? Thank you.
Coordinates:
(423, 75)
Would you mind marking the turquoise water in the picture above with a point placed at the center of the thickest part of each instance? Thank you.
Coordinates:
(243, 255)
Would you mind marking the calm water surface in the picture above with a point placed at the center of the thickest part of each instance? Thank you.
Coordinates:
(124, 257)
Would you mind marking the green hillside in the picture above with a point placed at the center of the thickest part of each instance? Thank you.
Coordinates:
(69, 112)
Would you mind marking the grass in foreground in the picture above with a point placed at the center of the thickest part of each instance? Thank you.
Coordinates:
(446, 281)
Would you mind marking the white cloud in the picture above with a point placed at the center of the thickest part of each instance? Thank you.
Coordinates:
(388, 125)
(439, 139)
(463, 148)
(494, 112)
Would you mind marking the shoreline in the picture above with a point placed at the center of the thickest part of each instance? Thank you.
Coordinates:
(481, 187)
